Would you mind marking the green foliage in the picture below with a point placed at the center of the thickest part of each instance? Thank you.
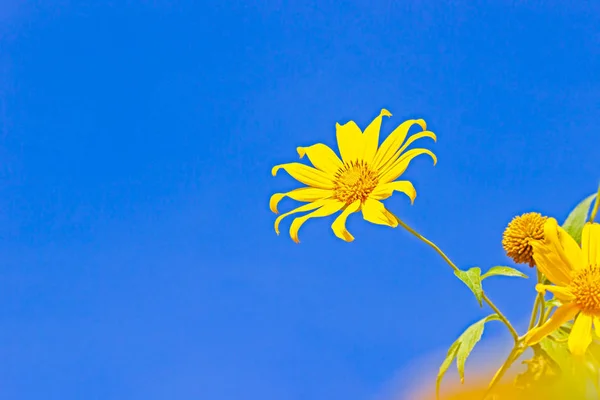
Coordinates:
(461, 349)
(553, 303)
(574, 373)
(578, 217)
(595, 209)
(504, 271)
(472, 278)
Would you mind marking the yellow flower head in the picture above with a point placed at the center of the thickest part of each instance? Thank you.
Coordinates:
(519, 232)
(363, 176)
(575, 272)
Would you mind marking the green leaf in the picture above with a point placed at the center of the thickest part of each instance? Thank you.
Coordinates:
(558, 351)
(461, 349)
(504, 271)
(472, 278)
(445, 365)
(577, 218)
(553, 303)
(595, 209)
(468, 340)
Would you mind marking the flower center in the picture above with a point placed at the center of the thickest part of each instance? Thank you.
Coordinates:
(354, 181)
(586, 289)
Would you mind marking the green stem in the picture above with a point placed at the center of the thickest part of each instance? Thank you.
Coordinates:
(512, 330)
(519, 347)
(539, 300)
(515, 353)
(543, 316)
(534, 314)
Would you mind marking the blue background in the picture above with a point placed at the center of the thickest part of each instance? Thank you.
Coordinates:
(137, 253)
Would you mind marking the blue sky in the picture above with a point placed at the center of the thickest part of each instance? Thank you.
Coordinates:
(137, 253)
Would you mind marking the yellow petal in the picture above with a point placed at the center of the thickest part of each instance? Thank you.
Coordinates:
(549, 255)
(306, 207)
(384, 166)
(322, 157)
(371, 136)
(399, 166)
(306, 194)
(394, 140)
(560, 292)
(339, 225)
(350, 141)
(374, 211)
(330, 207)
(305, 174)
(590, 243)
(572, 251)
(581, 334)
(562, 314)
(384, 191)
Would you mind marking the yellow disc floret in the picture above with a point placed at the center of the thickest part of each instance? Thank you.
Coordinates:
(354, 181)
(585, 287)
(518, 234)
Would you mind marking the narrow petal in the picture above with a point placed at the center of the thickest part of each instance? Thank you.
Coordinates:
(330, 207)
(394, 140)
(572, 251)
(560, 292)
(384, 166)
(384, 191)
(374, 211)
(305, 174)
(550, 257)
(350, 141)
(590, 243)
(562, 314)
(339, 225)
(581, 334)
(305, 194)
(306, 207)
(400, 165)
(371, 136)
(322, 157)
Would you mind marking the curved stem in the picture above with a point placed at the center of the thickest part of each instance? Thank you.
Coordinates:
(543, 315)
(534, 314)
(512, 330)
(515, 353)
(539, 300)
(538, 307)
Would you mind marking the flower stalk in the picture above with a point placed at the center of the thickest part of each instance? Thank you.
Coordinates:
(486, 299)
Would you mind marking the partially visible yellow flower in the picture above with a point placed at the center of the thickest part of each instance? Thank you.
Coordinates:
(363, 176)
(575, 272)
(519, 232)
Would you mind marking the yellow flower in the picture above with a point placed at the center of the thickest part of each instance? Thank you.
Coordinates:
(575, 272)
(363, 176)
(519, 232)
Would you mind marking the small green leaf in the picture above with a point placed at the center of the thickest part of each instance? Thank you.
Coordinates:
(472, 278)
(553, 303)
(577, 218)
(445, 365)
(468, 340)
(505, 271)
(461, 349)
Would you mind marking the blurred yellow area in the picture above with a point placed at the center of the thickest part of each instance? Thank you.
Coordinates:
(560, 390)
